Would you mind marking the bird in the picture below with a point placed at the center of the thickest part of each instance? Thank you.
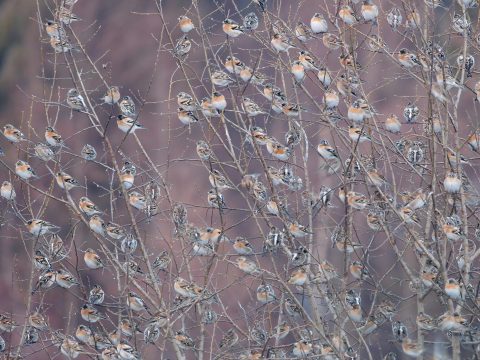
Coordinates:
(454, 290)
(70, 348)
(112, 95)
(265, 293)
(65, 280)
(44, 152)
(307, 60)
(346, 14)
(407, 59)
(318, 24)
(358, 270)
(207, 109)
(298, 277)
(183, 340)
(251, 108)
(331, 41)
(127, 124)
(52, 137)
(298, 71)
(84, 334)
(96, 296)
(13, 134)
(137, 200)
(281, 43)
(228, 340)
(92, 259)
(247, 266)
(135, 302)
(24, 170)
(233, 65)
(40, 227)
(127, 352)
(185, 23)
(218, 101)
(261, 4)
(7, 191)
(231, 28)
(298, 230)
(358, 135)
(369, 11)
(302, 32)
(221, 78)
(452, 182)
(356, 200)
(90, 314)
(302, 348)
(55, 30)
(66, 181)
(37, 321)
(127, 106)
(218, 181)
(75, 100)
(97, 225)
(242, 246)
(394, 18)
(411, 348)
(392, 124)
(88, 152)
(88, 207)
(251, 22)
(186, 117)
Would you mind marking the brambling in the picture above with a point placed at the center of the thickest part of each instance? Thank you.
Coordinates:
(298, 71)
(399, 330)
(346, 246)
(426, 322)
(407, 59)
(331, 99)
(413, 20)
(127, 179)
(452, 182)
(452, 231)
(298, 277)
(251, 108)
(347, 15)
(40, 261)
(348, 62)
(376, 44)
(65, 181)
(39, 227)
(242, 246)
(84, 334)
(127, 352)
(473, 140)
(135, 302)
(250, 21)
(429, 276)
(454, 290)
(210, 236)
(90, 314)
(231, 28)
(96, 295)
(359, 270)
(273, 206)
(7, 324)
(56, 248)
(358, 135)
(273, 93)
(137, 200)
(65, 280)
(7, 191)
(452, 158)
(24, 170)
(112, 95)
(392, 124)
(129, 244)
(258, 334)
(281, 43)
(183, 340)
(216, 199)
(100, 342)
(202, 249)
(43, 152)
(75, 100)
(204, 151)
(186, 117)
(218, 181)
(52, 137)
(221, 78)
(369, 11)
(70, 348)
(88, 207)
(128, 328)
(97, 225)
(280, 151)
(182, 46)
(247, 266)
(229, 339)
(115, 231)
(298, 230)
(233, 65)
(291, 110)
(331, 41)
(162, 261)
(131, 267)
(302, 348)
(37, 321)
(342, 194)
(259, 191)
(92, 259)
(307, 60)
(218, 101)
(324, 76)
(128, 125)
(374, 178)
(265, 293)
(55, 30)
(452, 322)
(183, 287)
(408, 215)
(356, 112)
(357, 200)
(411, 348)
(302, 32)
(12, 134)
(248, 75)
(207, 109)
(186, 24)
(318, 24)
(127, 106)
(151, 334)
(276, 176)
(293, 136)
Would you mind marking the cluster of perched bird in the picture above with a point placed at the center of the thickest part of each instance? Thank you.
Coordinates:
(309, 282)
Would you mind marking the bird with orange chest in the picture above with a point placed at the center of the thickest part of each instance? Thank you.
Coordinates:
(411, 348)
(242, 246)
(232, 29)
(357, 200)
(302, 32)
(347, 15)
(92, 259)
(318, 24)
(281, 43)
(358, 270)
(454, 289)
(12, 134)
(298, 277)
(302, 348)
(90, 314)
(265, 293)
(369, 11)
(185, 23)
(452, 322)
(247, 266)
(358, 135)
(407, 59)
(307, 60)
(298, 71)
(298, 230)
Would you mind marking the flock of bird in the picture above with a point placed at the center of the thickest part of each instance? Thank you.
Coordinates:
(342, 156)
